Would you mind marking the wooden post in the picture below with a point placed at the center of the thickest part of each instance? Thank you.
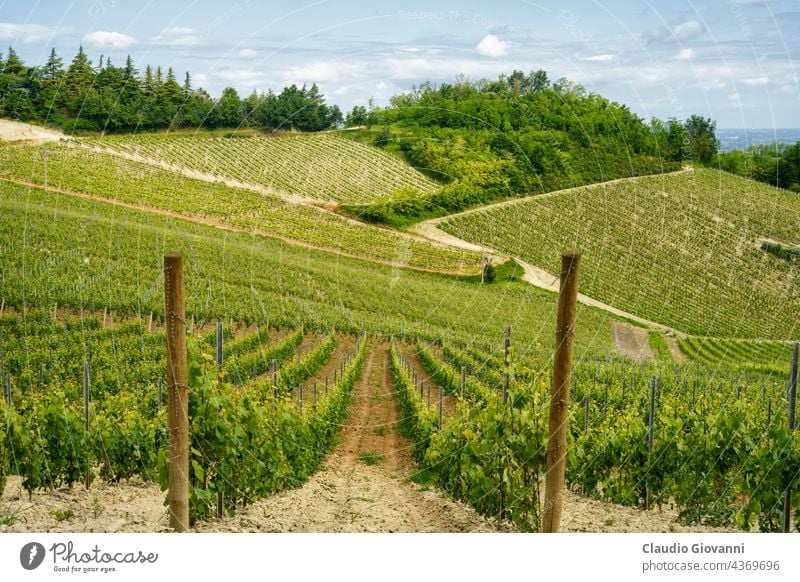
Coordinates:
(219, 347)
(178, 401)
(86, 395)
(160, 392)
(650, 434)
(559, 399)
(787, 495)
(315, 395)
(586, 404)
(463, 380)
(506, 362)
(441, 401)
(429, 393)
(300, 402)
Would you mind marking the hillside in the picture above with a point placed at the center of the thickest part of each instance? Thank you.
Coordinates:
(682, 249)
(148, 186)
(319, 166)
(83, 254)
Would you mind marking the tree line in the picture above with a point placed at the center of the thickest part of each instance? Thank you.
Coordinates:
(114, 98)
(521, 134)
(776, 164)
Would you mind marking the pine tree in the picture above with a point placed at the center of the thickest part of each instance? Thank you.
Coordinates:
(13, 64)
(80, 73)
(53, 68)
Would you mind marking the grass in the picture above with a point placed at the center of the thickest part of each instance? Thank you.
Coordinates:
(659, 345)
(379, 431)
(371, 458)
(62, 514)
(679, 249)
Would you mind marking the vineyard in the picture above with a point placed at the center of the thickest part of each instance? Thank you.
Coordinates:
(288, 335)
(319, 166)
(681, 249)
(84, 400)
(145, 186)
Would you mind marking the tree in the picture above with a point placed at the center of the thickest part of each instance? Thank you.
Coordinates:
(13, 64)
(702, 139)
(53, 68)
(357, 116)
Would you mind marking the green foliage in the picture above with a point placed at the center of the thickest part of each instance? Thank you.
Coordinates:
(246, 444)
(296, 372)
(370, 458)
(778, 165)
(517, 136)
(790, 255)
(111, 98)
(418, 422)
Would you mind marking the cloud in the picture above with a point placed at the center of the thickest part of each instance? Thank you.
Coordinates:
(178, 36)
(756, 81)
(102, 38)
(687, 30)
(599, 58)
(248, 54)
(686, 54)
(682, 32)
(28, 33)
(491, 46)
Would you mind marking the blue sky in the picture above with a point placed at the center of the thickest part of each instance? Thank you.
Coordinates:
(732, 60)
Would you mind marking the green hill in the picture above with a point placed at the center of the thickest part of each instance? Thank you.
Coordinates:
(683, 249)
(321, 166)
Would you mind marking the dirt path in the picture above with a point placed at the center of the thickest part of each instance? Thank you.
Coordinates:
(533, 275)
(632, 342)
(675, 350)
(348, 495)
(18, 131)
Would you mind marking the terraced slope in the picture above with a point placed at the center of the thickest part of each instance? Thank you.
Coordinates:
(320, 166)
(682, 249)
(140, 184)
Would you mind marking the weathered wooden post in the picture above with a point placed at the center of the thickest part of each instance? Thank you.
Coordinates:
(463, 380)
(650, 433)
(441, 401)
(787, 495)
(559, 398)
(177, 385)
(506, 362)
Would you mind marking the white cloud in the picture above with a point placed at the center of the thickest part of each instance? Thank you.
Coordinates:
(600, 58)
(756, 81)
(491, 46)
(28, 33)
(102, 38)
(248, 54)
(735, 98)
(411, 50)
(687, 30)
(178, 36)
(686, 54)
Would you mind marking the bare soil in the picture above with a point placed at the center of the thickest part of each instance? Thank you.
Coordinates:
(18, 131)
(675, 350)
(632, 342)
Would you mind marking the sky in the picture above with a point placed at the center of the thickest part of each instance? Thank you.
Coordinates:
(735, 61)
